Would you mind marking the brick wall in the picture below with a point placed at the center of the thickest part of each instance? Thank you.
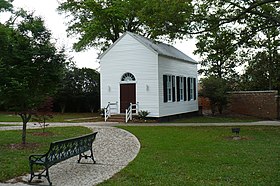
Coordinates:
(262, 104)
(204, 103)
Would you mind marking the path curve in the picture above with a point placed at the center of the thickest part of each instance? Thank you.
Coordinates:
(113, 149)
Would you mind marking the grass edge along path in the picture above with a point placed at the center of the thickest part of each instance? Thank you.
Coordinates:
(203, 156)
(14, 159)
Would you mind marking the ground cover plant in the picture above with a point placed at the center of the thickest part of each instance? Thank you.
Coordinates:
(14, 157)
(203, 156)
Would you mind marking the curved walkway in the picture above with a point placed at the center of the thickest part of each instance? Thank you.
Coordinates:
(113, 149)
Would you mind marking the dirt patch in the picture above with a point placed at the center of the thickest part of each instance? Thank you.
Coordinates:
(237, 138)
(20, 146)
(41, 133)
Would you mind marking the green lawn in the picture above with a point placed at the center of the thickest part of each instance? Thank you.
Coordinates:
(6, 125)
(57, 117)
(9, 117)
(215, 119)
(203, 156)
(14, 161)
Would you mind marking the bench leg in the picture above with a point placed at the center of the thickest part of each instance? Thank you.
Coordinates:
(91, 156)
(32, 174)
(82, 155)
(48, 177)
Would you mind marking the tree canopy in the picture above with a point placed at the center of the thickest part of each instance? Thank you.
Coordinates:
(250, 37)
(211, 14)
(30, 65)
(79, 90)
(5, 5)
(99, 23)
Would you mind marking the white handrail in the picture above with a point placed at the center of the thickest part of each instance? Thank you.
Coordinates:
(107, 110)
(129, 111)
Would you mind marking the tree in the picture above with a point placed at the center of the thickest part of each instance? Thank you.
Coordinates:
(249, 22)
(211, 14)
(80, 87)
(44, 112)
(215, 89)
(30, 66)
(99, 23)
(5, 5)
(219, 53)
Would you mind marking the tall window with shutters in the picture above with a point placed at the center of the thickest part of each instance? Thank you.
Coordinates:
(191, 88)
(181, 88)
(168, 88)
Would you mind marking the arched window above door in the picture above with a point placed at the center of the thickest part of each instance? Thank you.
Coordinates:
(128, 77)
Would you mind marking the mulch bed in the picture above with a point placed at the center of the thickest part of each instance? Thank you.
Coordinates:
(41, 133)
(20, 146)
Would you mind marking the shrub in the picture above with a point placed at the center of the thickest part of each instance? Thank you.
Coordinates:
(143, 114)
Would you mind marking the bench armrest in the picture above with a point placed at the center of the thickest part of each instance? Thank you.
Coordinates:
(37, 158)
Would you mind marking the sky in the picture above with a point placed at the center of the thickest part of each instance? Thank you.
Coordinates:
(57, 24)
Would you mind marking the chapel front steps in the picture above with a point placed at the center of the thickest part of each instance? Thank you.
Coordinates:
(117, 118)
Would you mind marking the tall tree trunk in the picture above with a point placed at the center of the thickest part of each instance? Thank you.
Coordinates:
(25, 118)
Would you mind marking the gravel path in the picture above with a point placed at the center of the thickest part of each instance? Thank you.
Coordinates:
(113, 149)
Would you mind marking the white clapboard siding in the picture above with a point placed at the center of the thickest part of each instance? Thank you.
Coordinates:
(147, 61)
(129, 55)
(169, 66)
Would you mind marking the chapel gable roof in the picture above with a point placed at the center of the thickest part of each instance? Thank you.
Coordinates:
(158, 47)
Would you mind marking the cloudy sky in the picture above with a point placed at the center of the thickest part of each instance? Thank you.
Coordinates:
(57, 24)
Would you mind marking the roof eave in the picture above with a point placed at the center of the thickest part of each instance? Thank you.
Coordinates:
(183, 60)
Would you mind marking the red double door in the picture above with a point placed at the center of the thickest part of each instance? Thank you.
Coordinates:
(127, 96)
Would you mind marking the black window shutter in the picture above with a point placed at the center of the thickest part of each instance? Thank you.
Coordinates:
(164, 88)
(173, 89)
(185, 89)
(194, 88)
(178, 87)
(189, 89)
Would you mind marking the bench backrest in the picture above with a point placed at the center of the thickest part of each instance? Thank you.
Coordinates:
(64, 149)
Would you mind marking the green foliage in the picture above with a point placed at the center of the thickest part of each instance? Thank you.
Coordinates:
(5, 5)
(98, 23)
(30, 65)
(203, 156)
(79, 90)
(14, 161)
(143, 114)
(44, 113)
(235, 32)
(216, 90)
(256, 15)
(263, 70)
(218, 52)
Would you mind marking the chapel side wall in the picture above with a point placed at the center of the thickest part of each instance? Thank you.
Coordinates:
(169, 66)
(261, 104)
(129, 55)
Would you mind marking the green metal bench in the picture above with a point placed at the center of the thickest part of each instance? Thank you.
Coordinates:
(60, 151)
